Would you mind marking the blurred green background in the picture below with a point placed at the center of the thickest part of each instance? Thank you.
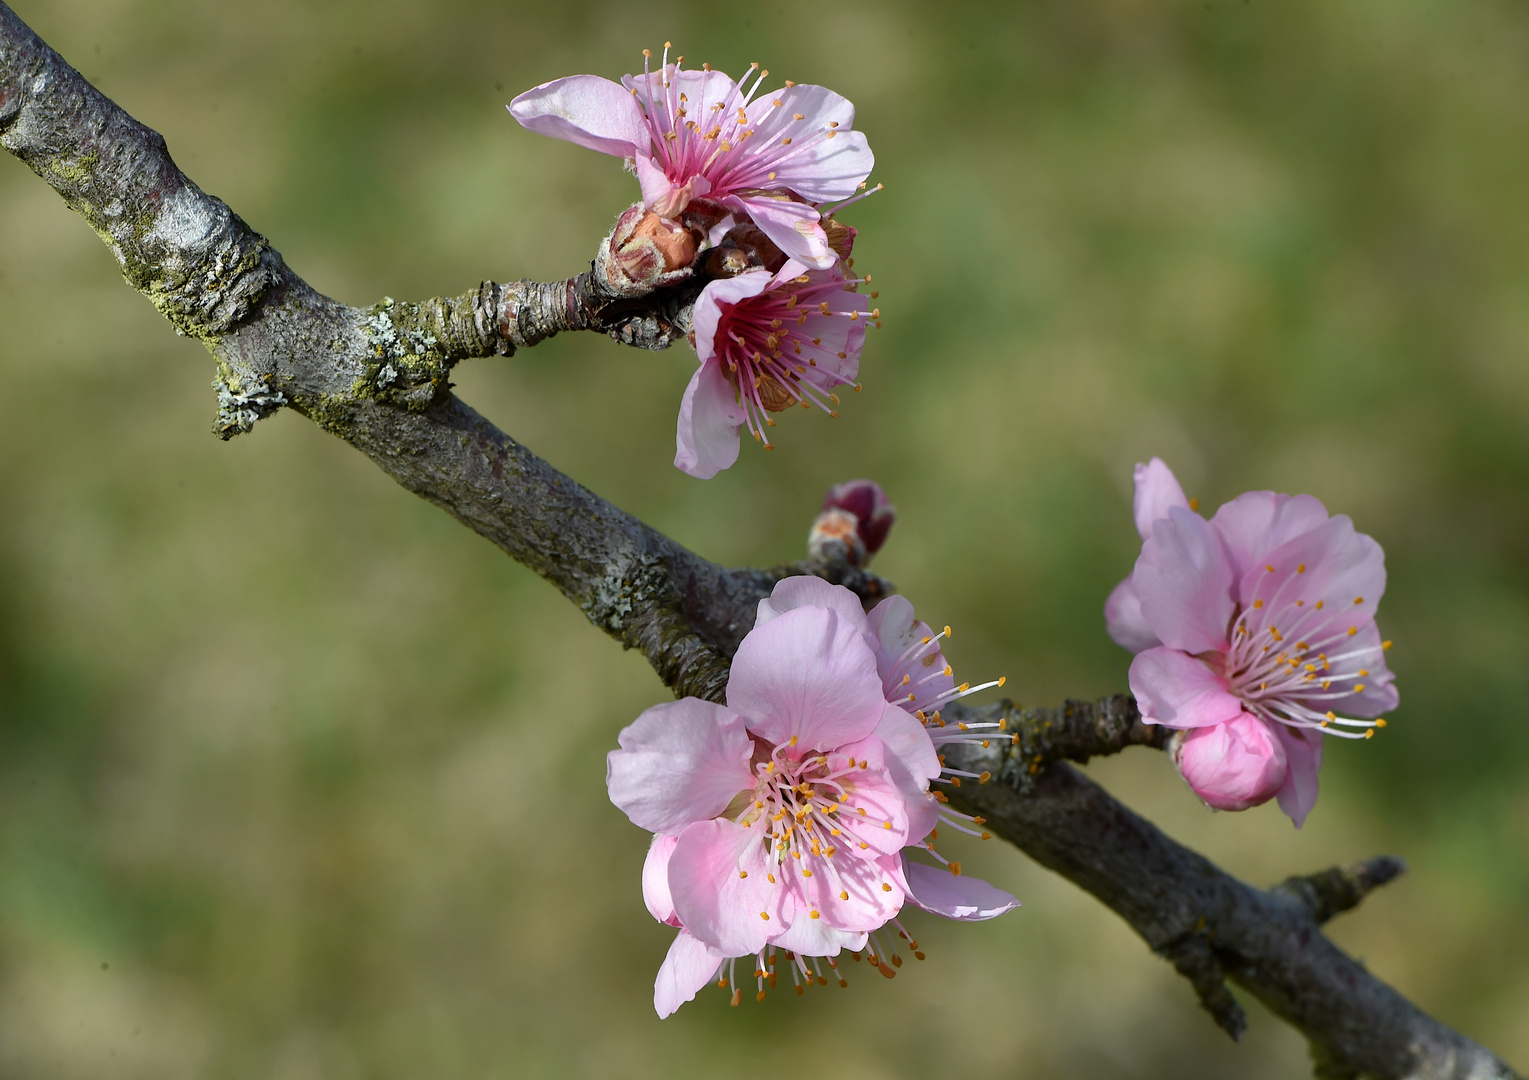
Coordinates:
(299, 778)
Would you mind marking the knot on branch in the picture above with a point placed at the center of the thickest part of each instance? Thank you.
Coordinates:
(1340, 888)
(406, 365)
(240, 405)
(1192, 957)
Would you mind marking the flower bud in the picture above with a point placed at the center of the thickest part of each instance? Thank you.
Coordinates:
(1232, 765)
(644, 252)
(856, 515)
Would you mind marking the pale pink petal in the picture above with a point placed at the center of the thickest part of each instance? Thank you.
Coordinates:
(1255, 523)
(1125, 623)
(1303, 750)
(807, 936)
(877, 812)
(955, 896)
(898, 634)
(719, 879)
(689, 966)
(1179, 691)
(1184, 583)
(1344, 569)
(810, 674)
(679, 762)
(714, 301)
(1234, 765)
(585, 109)
(1361, 651)
(808, 591)
(1157, 492)
(906, 742)
(655, 879)
(854, 895)
(817, 166)
(794, 227)
(706, 435)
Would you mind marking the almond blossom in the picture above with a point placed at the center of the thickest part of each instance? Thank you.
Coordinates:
(700, 136)
(1255, 636)
(767, 342)
(780, 818)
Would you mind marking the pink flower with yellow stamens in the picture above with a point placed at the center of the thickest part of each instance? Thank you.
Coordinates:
(780, 819)
(767, 342)
(701, 137)
(1255, 636)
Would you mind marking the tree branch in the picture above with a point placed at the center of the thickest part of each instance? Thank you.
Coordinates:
(377, 378)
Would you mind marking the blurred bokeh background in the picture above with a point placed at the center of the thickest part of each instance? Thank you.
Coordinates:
(300, 779)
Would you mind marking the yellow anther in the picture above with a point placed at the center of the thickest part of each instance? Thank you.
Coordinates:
(1194, 504)
(1001, 680)
(955, 868)
(1380, 723)
(1353, 630)
(1258, 603)
(1364, 671)
(1370, 734)
(885, 887)
(1301, 569)
(1358, 599)
(1331, 715)
(1385, 644)
(843, 895)
(1268, 568)
(791, 741)
(1359, 688)
(814, 914)
(765, 915)
(743, 873)
(985, 777)
(947, 631)
(1320, 603)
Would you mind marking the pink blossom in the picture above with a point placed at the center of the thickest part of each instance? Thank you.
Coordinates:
(767, 342)
(780, 818)
(699, 136)
(1255, 635)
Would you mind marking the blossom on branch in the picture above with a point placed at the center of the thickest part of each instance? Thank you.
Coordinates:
(780, 819)
(767, 342)
(1255, 636)
(699, 137)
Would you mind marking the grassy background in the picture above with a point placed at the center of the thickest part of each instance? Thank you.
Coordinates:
(298, 778)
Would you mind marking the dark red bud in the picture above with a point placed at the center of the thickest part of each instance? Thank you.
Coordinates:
(856, 514)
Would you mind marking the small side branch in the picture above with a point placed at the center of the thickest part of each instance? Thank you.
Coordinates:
(1340, 889)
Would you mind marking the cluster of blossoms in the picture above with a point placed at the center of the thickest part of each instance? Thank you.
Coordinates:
(1254, 635)
(719, 162)
(783, 821)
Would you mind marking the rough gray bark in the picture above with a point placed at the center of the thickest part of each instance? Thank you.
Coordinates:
(377, 378)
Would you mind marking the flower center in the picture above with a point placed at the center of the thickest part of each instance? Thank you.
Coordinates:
(1291, 657)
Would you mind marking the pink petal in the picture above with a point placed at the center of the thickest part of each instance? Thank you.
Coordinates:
(816, 168)
(939, 892)
(719, 879)
(875, 893)
(1303, 750)
(585, 109)
(895, 630)
(718, 296)
(679, 762)
(689, 966)
(706, 436)
(1331, 562)
(1179, 691)
(1184, 583)
(807, 936)
(1347, 655)
(1234, 765)
(888, 806)
(1255, 523)
(808, 591)
(655, 880)
(810, 674)
(1157, 492)
(906, 743)
(1124, 622)
(794, 227)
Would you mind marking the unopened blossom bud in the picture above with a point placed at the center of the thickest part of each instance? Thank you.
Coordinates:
(1232, 765)
(853, 523)
(645, 252)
